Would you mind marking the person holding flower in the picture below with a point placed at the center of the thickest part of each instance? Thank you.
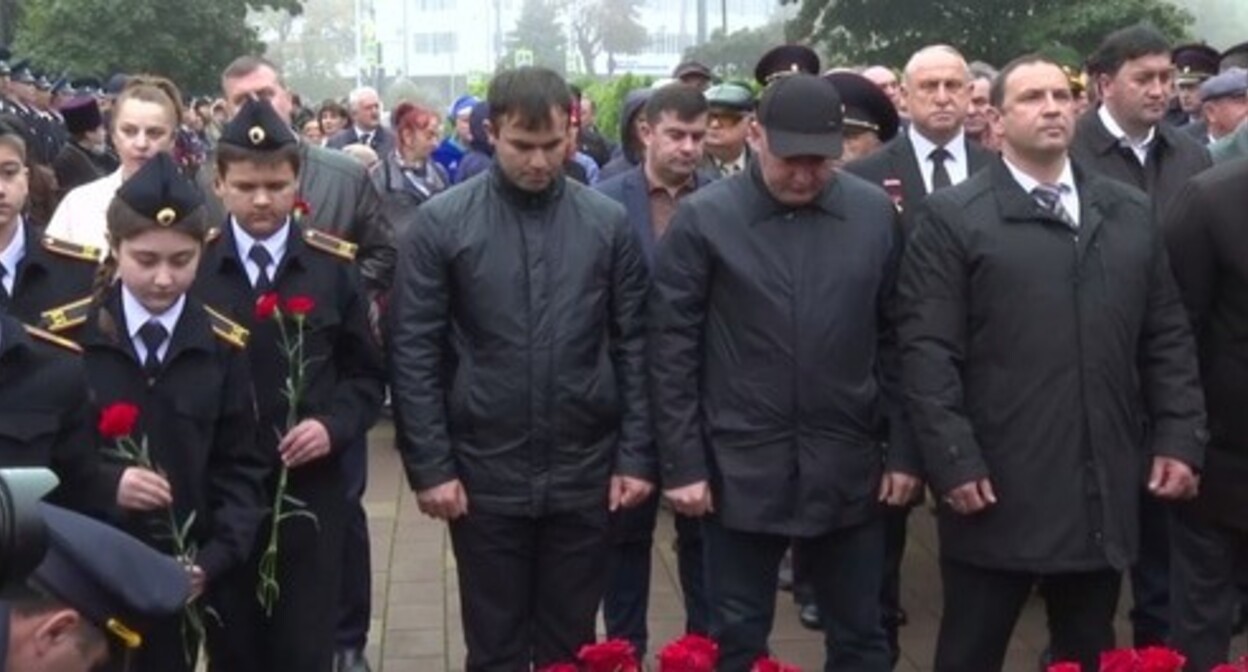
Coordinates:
(319, 380)
(171, 379)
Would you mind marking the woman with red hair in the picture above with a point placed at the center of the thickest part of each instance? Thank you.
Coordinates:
(407, 176)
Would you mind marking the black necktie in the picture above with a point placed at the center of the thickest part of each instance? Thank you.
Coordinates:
(1049, 196)
(4, 293)
(260, 256)
(366, 139)
(940, 174)
(153, 334)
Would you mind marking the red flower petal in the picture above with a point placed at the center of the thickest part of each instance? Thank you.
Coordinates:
(300, 305)
(117, 420)
(266, 306)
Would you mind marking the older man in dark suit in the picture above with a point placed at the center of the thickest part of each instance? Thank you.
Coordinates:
(364, 106)
(673, 131)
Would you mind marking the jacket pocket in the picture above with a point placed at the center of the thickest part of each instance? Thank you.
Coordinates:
(27, 428)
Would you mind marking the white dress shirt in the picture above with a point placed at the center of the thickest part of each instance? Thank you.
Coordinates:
(12, 255)
(1065, 184)
(82, 215)
(137, 316)
(275, 244)
(1138, 147)
(955, 164)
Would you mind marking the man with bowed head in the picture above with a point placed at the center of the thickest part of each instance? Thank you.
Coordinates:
(772, 373)
(518, 354)
(1041, 334)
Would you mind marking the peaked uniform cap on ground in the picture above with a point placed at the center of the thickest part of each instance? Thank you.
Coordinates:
(257, 126)
(160, 192)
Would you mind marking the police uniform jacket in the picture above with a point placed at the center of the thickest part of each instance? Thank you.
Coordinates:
(45, 420)
(772, 354)
(1037, 358)
(51, 275)
(198, 417)
(345, 375)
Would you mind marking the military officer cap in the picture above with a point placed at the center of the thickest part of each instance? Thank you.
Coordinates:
(730, 95)
(1235, 57)
(787, 59)
(161, 193)
(1194, 62)
(1230, 84)
(89, 85)
(42, 82)
(257, 126)
(867, 107)
(114, 581)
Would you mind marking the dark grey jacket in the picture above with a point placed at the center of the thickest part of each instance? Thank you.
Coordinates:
(1173, 158)
(1037, 359)
(518, 346)
(344, 203)
(772, 353)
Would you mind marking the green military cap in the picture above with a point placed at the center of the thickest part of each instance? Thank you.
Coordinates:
(731, 95)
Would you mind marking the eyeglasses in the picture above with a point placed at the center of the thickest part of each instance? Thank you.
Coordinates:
(723, 118)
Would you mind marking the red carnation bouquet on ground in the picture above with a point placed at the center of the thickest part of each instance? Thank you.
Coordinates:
(117, 424)
(271, 307)
(1150, 659)
(691, 653)
(1240, 665)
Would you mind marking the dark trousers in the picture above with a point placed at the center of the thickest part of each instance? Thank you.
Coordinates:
(355, 600)
(846, 574)
(1206, 559)
(1150, 576)
(895, 521)
(981, 607)
(529, 587)
(299, 636)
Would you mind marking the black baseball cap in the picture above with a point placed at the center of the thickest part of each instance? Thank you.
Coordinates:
(802, 115)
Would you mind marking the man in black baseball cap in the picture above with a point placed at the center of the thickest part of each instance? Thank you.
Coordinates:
(805, 253)
(695, 74)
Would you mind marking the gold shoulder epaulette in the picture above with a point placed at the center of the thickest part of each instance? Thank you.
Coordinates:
(53, 339)
(327, 243)
(213, 235)
(65, 317)
(228, 330)
(73, 250)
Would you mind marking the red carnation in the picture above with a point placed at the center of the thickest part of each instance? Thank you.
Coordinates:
(616, 655)
(1227, 667)
(117, 420)
(1065, 667)
(1118, 660)
(773, 665)
(301, 209)
(300, 305)
(1160, 659)
(559, 667)
(266, 305)
(691, 653)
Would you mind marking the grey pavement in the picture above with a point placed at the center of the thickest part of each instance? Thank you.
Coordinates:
(416, 625)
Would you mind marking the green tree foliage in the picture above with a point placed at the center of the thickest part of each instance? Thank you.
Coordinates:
(888, 31)
(539, 34)
(606, 26)
(189, 42)
(313, 48)
(734, 56)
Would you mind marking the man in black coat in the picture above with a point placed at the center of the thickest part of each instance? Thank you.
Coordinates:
(1049, 373)
(1208, 248)
(1125, 139)
(937, 92)
(772, 372)
(518, 377)
(933, 151)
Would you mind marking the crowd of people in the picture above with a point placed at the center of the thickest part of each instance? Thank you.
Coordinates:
(793, 309)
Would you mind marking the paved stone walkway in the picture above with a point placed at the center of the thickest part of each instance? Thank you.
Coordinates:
(416, 626)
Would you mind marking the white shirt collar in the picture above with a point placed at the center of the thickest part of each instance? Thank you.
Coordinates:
(956, 164)
(137, 316)
(276, 245)
(1138, 147)
(1065, 183)
(12, 255)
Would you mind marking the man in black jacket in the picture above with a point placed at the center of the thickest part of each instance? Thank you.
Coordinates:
(1041, 335)
(518, 346)
(1208, 244)
(1126, 140)
(771, 372)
